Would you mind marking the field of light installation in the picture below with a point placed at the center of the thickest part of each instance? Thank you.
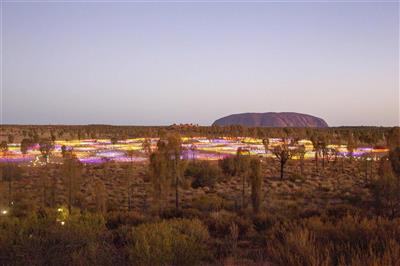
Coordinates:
(92, 151)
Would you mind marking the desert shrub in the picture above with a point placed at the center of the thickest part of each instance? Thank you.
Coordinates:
(191, 213)
(340, 211)
(171, 213)
(22, 207)
(307, 213)
(117, 218)
(386, 194)
(82, 240)
(351, 240)
(228, 166)
(172, 242)
(208, 203)
(297, 177)
(245, 225)
(219, 223)
(204, 173)
(263, 221)
(296, 247)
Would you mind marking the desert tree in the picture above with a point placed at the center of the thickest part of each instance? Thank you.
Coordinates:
(166, 168)
(367, 160)
(386, 190)
(393, 138)
(241, 169)
(46, 147)
(301, 151)
(351, 144)
(159, 178)
(130, 153)
(256, 184)
(4, 147)
(315, 141)
(283, 154)
(9, 173)
(114, 140)
(10, 138)
(146, 145)
(72, 177)
(176, 165)
(26, 144)
(394, 157)
(101, 197)
(64, 151)
(323, 146)
(265, 142)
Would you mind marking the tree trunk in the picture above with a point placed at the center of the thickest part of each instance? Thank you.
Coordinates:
(130, 197)
(9, 193)
(342, 164)
(70, 195)
(282, 166)
(243, 190)
(302, 166)
(176, 186)
(176, 194)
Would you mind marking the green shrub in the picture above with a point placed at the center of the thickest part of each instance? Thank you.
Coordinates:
(82, 240)
(228, 166)
(219, 223)
(118, 218)
(351, 240)
(172, 242)
(204, 173)
(208, 203)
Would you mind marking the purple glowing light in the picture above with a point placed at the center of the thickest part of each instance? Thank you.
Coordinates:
(15, 159)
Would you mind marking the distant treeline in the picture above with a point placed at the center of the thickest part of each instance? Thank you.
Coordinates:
(361, 134)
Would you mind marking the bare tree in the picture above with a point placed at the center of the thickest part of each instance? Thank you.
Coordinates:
(241, 169)
(283, 154)
(256, 184)
(72, 178)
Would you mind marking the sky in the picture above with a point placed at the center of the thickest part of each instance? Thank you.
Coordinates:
(159, 63)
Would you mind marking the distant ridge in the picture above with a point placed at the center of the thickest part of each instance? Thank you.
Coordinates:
(271, 119)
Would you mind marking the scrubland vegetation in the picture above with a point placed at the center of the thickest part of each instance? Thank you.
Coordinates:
(242, 210)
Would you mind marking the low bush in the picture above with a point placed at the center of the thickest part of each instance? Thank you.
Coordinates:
(228, 166)
(208, 203)
(204, 173)
(172, 242)
(220, 222)
(349, 241)
(81, 240)
(116, 219)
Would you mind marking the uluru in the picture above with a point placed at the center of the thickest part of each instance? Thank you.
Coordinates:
(271, 119)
